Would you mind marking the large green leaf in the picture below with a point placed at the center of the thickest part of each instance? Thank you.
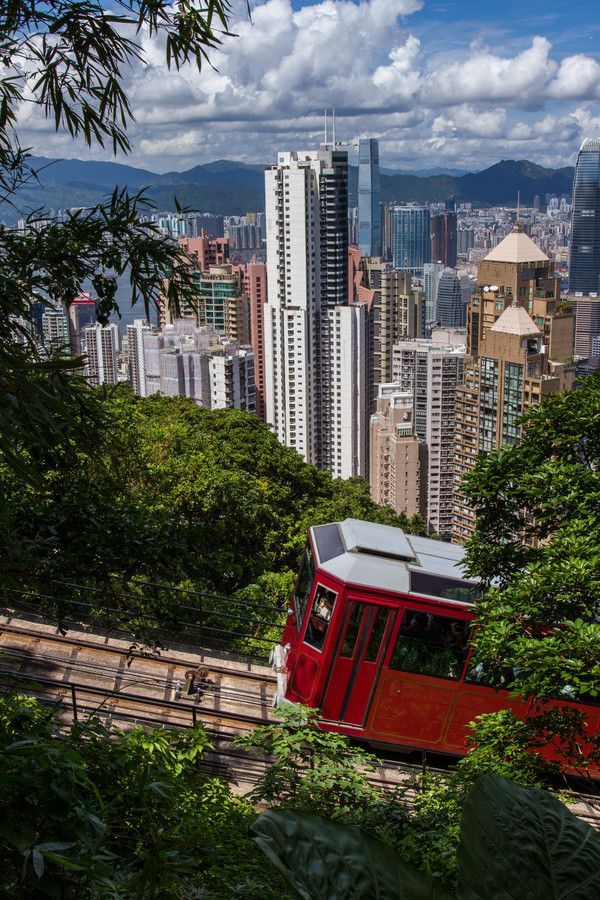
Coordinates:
(524, 844)
(328, 861)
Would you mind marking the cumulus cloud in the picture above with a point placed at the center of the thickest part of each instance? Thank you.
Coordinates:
(268, 87)
(486, 77)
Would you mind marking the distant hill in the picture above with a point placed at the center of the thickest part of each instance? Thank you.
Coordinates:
(425, 173)
(233, 188)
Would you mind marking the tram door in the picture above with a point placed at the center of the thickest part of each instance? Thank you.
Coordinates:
(357, 663)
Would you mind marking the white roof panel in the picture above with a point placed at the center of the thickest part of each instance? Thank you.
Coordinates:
(369, 571)
(383, 557)
(380, 540)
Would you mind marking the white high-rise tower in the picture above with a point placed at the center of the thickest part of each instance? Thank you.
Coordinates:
(314, 340)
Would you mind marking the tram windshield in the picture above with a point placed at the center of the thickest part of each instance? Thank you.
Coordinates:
(304, 585)
(431, 645)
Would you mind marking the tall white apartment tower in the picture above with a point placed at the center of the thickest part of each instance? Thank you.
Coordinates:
(291, 314)
(101, 347)
(431, 370)
(135, 355)
(314, 340)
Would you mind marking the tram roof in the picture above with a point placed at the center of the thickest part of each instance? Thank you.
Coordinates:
(385, 558)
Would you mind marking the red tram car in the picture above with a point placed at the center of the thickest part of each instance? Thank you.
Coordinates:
(378, 639)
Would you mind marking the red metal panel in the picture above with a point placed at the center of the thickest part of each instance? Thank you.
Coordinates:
(304, 678)
(411, 709)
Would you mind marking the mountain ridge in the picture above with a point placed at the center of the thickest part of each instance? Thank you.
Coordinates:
(233, 188)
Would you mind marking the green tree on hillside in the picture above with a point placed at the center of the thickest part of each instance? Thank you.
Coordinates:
(172, 492)
(537, 545)
(66, 60)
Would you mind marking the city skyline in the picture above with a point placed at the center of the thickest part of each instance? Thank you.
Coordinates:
(454, 83)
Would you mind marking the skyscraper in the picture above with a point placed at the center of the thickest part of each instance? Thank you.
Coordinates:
(519, 347)
(444, 238)
(100, 343)
(450, 309)
(432, 272)
(584, 264)
(411, 238)
(431, 370)
(314, 337)
(369, 198)
(82, 312)
(55, 330)
(398, 459)
(135, 355)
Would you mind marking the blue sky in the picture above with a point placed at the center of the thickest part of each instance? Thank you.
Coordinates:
(457, 84)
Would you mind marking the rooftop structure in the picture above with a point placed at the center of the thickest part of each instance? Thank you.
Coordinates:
(380, 556)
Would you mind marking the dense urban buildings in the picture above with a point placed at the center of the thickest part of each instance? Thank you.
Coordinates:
(411, 238)
(430, 370)
(185, 360)
(395, 311)
(398, 459)
(369, 198)
(584, 262)
(519, 346)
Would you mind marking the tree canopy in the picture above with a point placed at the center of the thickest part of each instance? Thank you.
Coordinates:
(176, 493)
(537, 547)
(66, 61)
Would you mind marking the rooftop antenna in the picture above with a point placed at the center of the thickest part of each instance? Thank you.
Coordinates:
(325, 127)
(517, 224)
(333, 115)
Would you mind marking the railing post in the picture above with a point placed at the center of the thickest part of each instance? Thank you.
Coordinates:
(74, 702)
(194, 716)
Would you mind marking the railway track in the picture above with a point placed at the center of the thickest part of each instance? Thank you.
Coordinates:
(89, 673)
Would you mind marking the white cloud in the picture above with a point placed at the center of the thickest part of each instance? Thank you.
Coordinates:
(485, 77)
(578, 78)
(269, 86)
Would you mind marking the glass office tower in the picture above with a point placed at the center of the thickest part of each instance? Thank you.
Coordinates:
(411, 238)
(369, 198)
(584, 266)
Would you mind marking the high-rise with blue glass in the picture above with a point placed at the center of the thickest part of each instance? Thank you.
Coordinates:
(411, 238)
(584, 265)
(369, 198)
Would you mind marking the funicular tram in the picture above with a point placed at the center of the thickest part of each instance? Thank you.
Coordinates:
(378, 639)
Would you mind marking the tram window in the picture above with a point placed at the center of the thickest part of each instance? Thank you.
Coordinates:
(320, 618)
(377, 632)
(304, 585)
(352, 630)
(431, 645)
(448, 588)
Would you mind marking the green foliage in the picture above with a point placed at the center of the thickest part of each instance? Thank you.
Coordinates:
(538, 541)
(515, 843)
(502, 743)
(99, 813)
(176, 494)
(66, 60)
(324, 859)
(309, 768)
